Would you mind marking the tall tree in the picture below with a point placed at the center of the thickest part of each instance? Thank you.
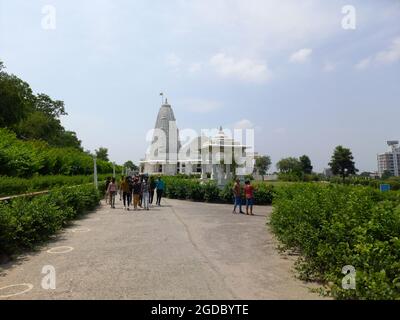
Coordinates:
(342, 162)
(130, 165)
(102, 154)
(306, 166)
(289, 165)
(262, 165)
(16, 99)
(52, 108)
(386, 174)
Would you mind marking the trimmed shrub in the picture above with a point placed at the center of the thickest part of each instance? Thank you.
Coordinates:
(196, 190)
(335, 225)
(10, 186)
(26, 158)
(25, 222)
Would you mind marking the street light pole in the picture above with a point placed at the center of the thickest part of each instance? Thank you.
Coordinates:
(113, 169)
(96, 183)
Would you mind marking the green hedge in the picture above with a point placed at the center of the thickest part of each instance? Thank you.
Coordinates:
(25, 158)
(13, 186)
(194, 189)
(335, 225)
(25, 222)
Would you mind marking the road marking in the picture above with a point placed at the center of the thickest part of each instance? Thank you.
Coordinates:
(58, 250)
(80, 230)
(28, 285)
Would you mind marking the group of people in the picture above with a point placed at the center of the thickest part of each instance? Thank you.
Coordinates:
(137, 191)
(248, 195)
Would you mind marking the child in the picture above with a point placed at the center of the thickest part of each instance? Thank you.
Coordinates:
(249, 192)
(112, 191)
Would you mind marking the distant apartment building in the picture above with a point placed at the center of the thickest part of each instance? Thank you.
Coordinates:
(390, 160)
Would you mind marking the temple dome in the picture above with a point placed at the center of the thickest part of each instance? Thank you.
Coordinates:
(165, 115)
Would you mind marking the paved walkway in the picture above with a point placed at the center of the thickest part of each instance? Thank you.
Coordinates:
(182, 250)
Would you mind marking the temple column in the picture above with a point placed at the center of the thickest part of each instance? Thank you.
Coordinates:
(203, 172)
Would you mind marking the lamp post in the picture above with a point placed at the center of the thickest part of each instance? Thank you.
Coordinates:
(113, 169)
(96, 183)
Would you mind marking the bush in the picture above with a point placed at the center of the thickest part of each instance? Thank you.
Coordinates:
(25, 222)
(335, 225)
(13, 186)
(25, 158)
(196, 190)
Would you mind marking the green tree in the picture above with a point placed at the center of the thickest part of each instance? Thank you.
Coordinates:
(102, 154)
(289, 165)
(16, 99)
(130, 165)
(306, 166)
(342, 162)
(53, 108)
(365, 174)
(262, 165)
(386, 175)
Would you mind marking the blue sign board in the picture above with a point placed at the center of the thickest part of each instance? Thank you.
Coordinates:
(385, 187)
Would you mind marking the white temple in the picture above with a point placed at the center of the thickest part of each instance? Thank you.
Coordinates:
(217, 157)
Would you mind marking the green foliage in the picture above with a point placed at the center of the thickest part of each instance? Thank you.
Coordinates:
(178, 187)
(342, 162)
(32, 117)
(305, 163)
(130, 165)
(289, 165)
(26, 158)
(394, 182)
(102, 154)
(262, 165)
(13, 186)
(25, 222)
(336, 225)
(15, 99)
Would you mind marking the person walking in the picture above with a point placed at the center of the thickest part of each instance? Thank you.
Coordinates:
(152, 186)
(237, 194)
(120, 191)
(145, 194)
(130, 182)
(126, 194)
(136, 193)
(160, 187)
(112, 191)
(108, 181)
(249, 193)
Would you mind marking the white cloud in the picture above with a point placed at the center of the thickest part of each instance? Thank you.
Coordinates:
(329, 67)
(363, 64)
(243, 69)
(194, 67)
(243, 124)
(391, 55)
(301, 56)
(201, 105)
(280, 130)
(173, 60)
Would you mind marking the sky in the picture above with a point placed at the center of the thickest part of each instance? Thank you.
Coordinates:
(305, 75)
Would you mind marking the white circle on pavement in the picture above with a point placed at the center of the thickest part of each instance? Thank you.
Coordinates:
(28, 287)
(77, 230)
(60, 250)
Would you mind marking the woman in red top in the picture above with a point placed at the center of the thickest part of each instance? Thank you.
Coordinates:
(249, 193)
